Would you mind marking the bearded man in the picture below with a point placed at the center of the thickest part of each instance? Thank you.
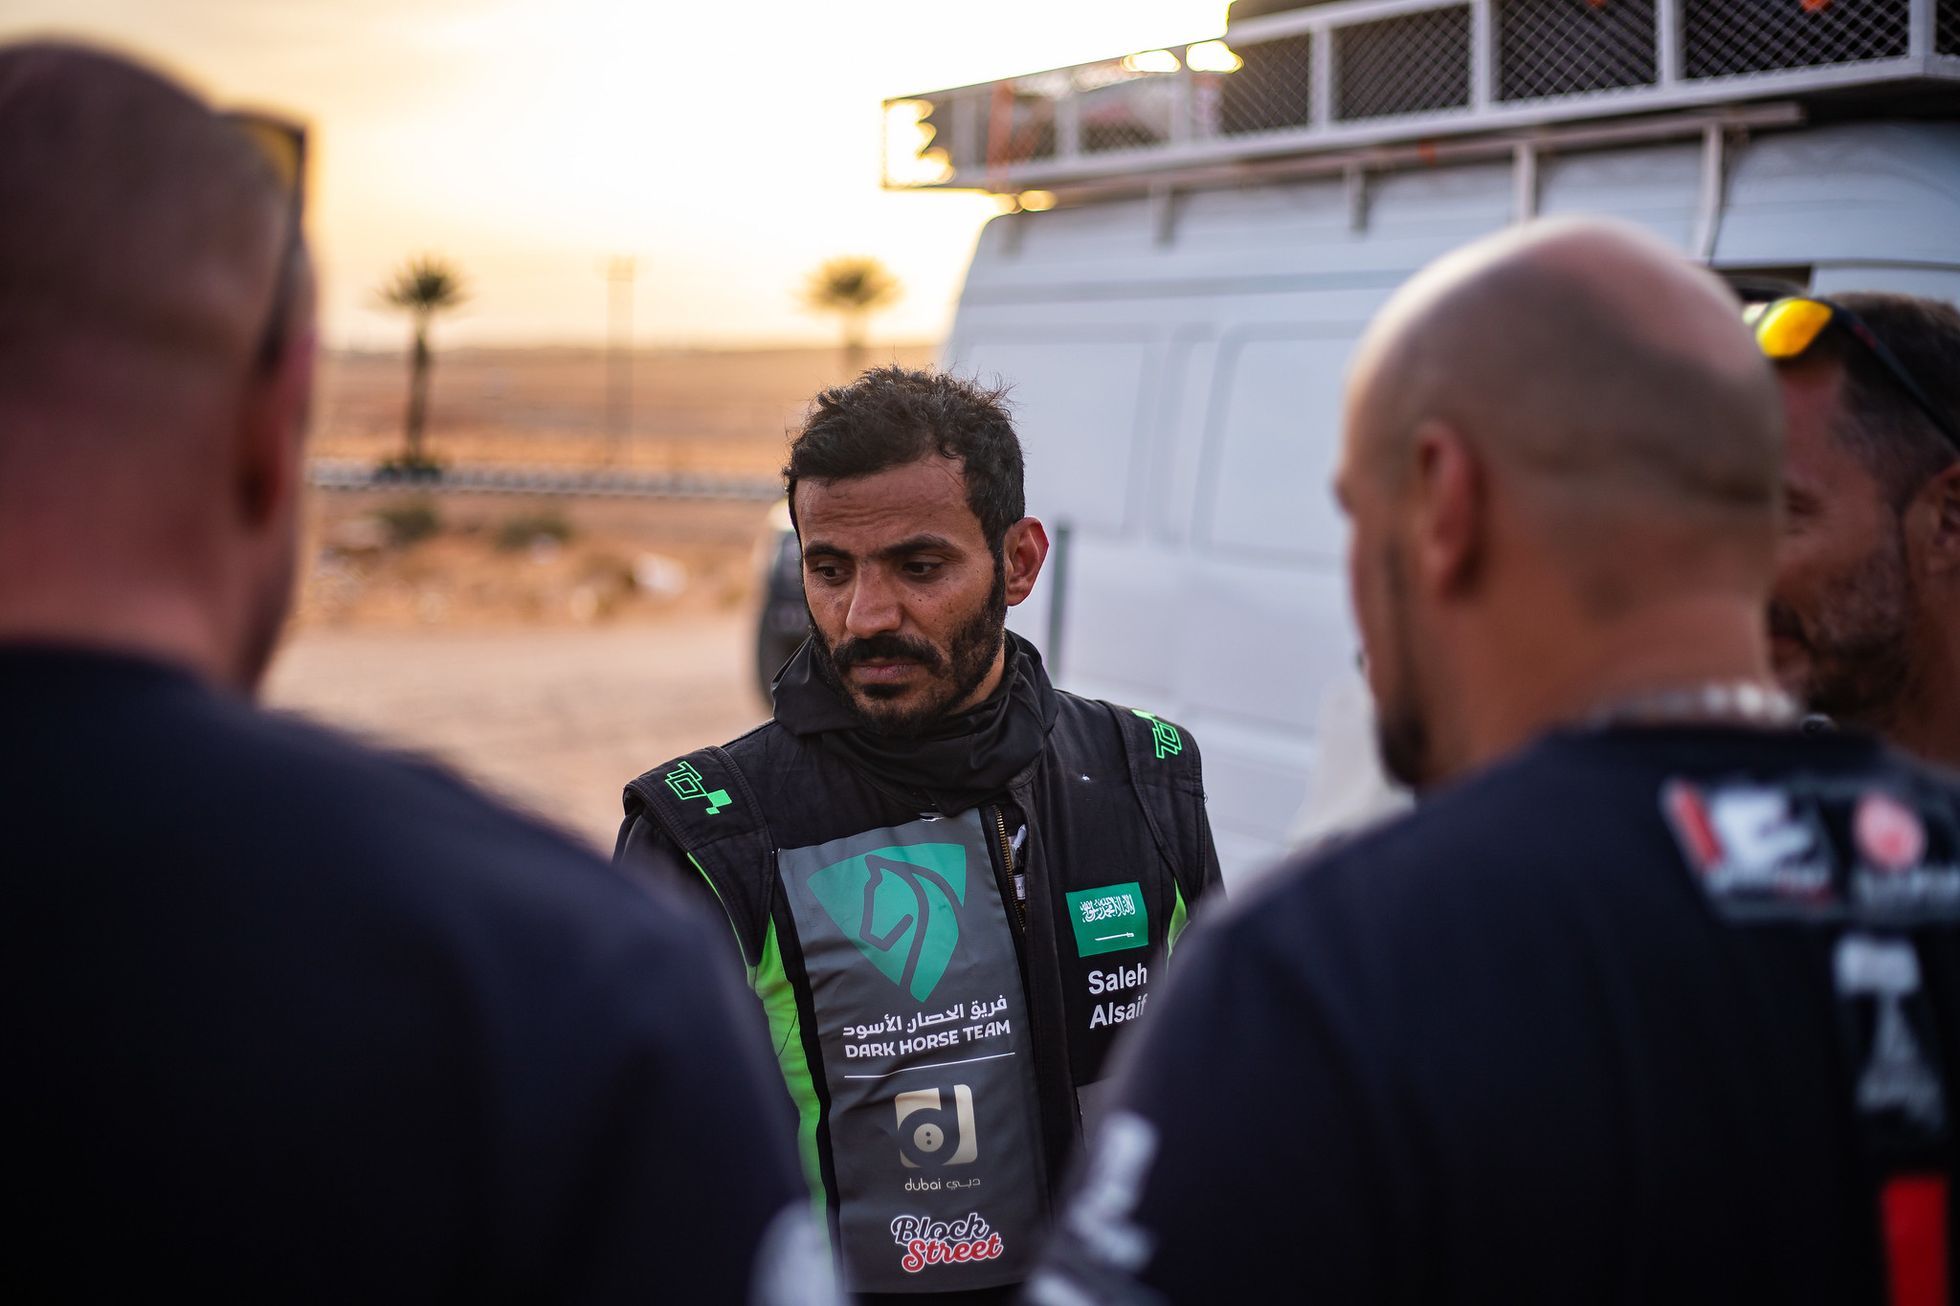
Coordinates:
(1865, 617)
(952, 884)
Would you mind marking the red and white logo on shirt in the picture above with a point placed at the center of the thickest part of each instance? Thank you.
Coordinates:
(1890, 835)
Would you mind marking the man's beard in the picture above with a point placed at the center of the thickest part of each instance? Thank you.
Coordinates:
(953, 674)
(1401, 730)
(1858, 667)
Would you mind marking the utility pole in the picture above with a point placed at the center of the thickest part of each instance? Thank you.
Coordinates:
(619, 356)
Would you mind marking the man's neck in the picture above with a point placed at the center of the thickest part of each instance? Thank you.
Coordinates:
(1525, 691)
(149, 624)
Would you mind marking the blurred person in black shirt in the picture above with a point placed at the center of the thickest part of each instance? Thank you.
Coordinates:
(1865, 618)
(285, 1019)
(1652, 997)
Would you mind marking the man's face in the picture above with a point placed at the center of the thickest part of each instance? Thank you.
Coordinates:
(907, 603)
(1840, 612)
(1378, 585)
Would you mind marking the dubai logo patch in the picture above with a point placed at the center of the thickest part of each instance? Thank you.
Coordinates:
(900, 906)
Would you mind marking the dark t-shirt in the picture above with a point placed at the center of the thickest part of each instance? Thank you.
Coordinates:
(1581, 1029)
(288, 1020)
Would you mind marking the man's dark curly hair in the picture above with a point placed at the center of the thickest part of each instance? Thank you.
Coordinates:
(891, 416)
(1879, 422)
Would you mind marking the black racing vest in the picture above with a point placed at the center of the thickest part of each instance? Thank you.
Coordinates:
(937, 1037)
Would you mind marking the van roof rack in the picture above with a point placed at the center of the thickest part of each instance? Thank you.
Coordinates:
(1373, 83)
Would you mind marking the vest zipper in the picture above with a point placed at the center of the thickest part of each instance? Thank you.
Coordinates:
(1015, 881)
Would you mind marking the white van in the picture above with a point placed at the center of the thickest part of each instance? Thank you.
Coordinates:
(1176, 301)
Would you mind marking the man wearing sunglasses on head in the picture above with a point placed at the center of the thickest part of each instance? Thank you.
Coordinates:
(1865, 617)
(285, 1019)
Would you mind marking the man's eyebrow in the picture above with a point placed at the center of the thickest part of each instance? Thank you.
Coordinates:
(909, 545)
(918, 544)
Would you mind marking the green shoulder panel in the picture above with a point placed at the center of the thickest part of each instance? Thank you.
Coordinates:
(1180, 917)
(771, 984)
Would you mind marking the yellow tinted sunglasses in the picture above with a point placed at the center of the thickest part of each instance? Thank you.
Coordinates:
(1787, 328)
(283, 146)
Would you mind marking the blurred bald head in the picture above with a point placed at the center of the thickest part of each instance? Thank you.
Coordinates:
(1602, 374)
(143, 244)
(131, 218)
(1552, 435)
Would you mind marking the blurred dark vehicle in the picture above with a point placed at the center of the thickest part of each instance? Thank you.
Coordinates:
(783, 623)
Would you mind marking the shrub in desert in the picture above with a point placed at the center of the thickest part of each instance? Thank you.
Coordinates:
(409, 522)
(526, 529)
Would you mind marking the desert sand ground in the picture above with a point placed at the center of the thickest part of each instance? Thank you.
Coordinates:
(549, 648)
(556, 720)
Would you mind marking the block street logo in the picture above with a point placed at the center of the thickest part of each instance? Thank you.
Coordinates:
(930, 1136)
(1163, 734)
(686, 783)
(945, 1242)
(1109, 919)
(900, 906)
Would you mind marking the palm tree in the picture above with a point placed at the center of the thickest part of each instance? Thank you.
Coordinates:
(424, 286)
(851, 287)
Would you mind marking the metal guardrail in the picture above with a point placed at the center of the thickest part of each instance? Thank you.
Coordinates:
(334, 474)
(1357, 73)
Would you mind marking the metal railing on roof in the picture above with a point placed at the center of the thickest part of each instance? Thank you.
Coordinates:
(1362, 73)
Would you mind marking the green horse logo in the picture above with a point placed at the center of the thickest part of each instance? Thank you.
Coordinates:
(900, 906)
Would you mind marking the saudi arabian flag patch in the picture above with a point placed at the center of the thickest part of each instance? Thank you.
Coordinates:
(1109, 919)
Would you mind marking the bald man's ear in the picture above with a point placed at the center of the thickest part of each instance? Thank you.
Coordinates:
(270, 448)
(1449, 505)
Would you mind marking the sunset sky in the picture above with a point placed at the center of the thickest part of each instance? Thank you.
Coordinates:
(728, 147)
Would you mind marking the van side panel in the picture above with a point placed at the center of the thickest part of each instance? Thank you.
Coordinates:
(1179, 398)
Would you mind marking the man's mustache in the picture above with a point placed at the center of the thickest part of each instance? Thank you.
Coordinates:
(886, 648)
